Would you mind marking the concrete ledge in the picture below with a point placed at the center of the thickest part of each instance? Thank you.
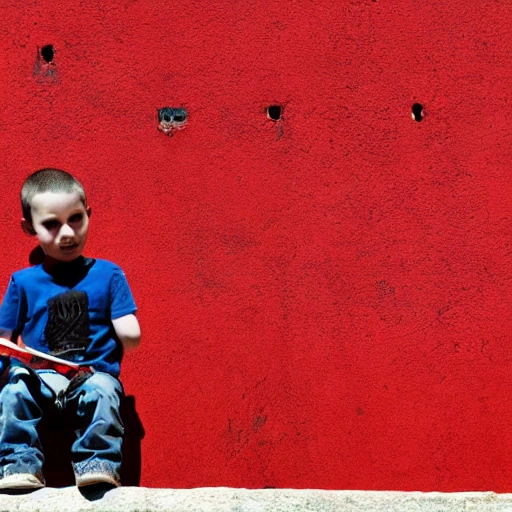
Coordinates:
(220, 499)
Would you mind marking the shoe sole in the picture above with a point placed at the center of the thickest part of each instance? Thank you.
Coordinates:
(95, 478)
(20, 481)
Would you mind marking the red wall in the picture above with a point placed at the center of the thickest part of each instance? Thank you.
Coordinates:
(325, 300)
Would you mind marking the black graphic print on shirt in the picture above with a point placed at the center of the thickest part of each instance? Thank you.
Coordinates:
(67, 329)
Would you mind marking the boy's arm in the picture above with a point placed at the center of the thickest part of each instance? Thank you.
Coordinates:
(10, 310)
(128, 331)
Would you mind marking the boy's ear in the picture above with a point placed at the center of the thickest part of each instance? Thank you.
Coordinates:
(27, 227)
(89, 211)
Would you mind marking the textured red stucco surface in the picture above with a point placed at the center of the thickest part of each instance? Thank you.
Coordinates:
(325, 299)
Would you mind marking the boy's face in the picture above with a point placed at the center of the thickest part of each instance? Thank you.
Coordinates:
(60, 221)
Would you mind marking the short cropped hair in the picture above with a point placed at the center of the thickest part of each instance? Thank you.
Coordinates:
(48, 180)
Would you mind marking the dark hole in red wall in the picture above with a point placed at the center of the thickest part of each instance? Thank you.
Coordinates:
(274, 112)
(417, 112)
(47, 53)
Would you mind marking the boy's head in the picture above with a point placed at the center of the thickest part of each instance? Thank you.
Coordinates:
(48, 180)
(55, 210)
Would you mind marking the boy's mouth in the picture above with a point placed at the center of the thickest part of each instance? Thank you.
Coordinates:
(68, 248)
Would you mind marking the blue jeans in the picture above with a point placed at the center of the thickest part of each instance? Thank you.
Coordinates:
(90, 404)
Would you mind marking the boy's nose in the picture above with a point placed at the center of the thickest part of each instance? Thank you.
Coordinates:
(66, 231)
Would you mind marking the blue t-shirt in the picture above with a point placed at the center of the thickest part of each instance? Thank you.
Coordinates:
(68, 312)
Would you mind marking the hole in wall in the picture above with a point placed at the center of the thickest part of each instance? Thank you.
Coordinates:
(172, 115)
(47, 53)
(274, 112)
(170, 119)
(417, 112)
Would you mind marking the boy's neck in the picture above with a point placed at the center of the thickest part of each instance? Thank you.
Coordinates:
(51, 264)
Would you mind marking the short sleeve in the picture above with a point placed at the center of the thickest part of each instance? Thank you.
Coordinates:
(10, 308)
(122, 302)
(9, 315)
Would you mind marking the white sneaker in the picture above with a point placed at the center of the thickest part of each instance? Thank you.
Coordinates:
(21, 481)
(95, 478)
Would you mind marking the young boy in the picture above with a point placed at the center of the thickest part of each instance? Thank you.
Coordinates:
(75, 308)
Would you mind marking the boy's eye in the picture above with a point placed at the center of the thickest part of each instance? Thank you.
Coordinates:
(77, 217)
(51, 224)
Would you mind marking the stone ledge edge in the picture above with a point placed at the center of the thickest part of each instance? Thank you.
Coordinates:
(224, 499)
